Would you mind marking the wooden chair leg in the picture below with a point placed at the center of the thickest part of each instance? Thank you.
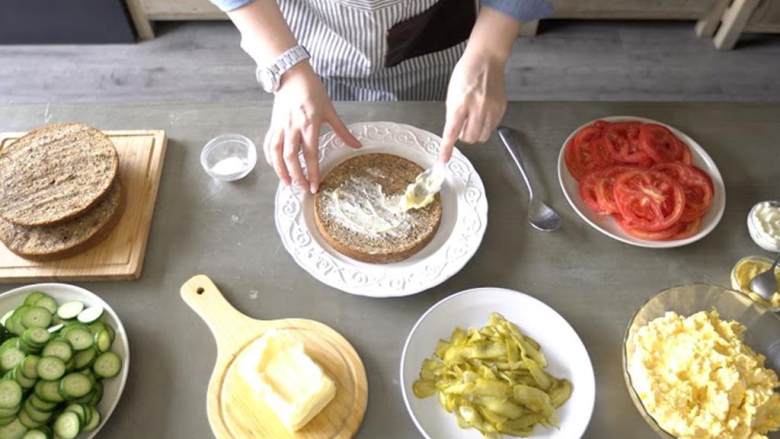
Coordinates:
(143, 26)
(529, 29)
(734, 20)
(706, 27)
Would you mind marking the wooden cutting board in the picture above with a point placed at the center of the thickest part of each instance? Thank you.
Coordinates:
(120, 255)
(234, 412)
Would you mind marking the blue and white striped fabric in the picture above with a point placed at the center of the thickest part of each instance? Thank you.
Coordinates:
(347, 42)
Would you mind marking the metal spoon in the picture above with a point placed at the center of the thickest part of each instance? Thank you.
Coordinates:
(765, 284)
(540, 215)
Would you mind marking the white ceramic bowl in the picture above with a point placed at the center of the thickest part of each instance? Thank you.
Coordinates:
(607, 225)
(460, 233)
(565, 352)
(112, 388)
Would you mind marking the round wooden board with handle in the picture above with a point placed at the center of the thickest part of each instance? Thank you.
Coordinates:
(233, 412)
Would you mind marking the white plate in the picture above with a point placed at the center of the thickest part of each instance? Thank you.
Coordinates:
(566, 355)
(463, 223)
(112, 388)
(608, 226)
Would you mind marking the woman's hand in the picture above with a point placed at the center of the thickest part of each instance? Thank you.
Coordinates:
(476, 100)
(301, 106)
(476, 96)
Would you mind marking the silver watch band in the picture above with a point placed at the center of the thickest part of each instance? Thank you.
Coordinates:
(270, 77)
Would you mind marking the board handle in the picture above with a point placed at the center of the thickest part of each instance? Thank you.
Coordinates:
(226, 323)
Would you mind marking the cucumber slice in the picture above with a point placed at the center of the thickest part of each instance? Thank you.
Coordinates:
(35, 317)
(47, 303)
(70, 310)
(5, 420)
(10, 394)
(13, 430)
(103, 340)
(67, 425)
(48, 391)
(55, 328)
(107, 365)
(29, 366)
(27, 421)
(6, 316)
(36, 337)
(59, 348)
(10, 358)
(35, 414)
(80, 338)
(50, 368)
(26, 383)
(90, 314)
(94, 421)
(34, 297)
(97, 394)
(84, 358)
(36, 433)
(34, 401)
(75, 385)
(79, 410)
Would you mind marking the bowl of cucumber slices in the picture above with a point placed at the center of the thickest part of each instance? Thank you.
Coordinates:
(63, 362)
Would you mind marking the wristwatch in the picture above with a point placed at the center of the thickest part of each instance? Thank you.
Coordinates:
(269, 77)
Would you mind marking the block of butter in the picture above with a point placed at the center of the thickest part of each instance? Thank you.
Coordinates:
(279, 372)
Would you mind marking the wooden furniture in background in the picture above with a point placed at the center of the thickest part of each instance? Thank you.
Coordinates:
(724, 20)
(233, 411)
(120, 255)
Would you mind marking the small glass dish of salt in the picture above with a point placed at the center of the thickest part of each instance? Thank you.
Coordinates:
(229, 157)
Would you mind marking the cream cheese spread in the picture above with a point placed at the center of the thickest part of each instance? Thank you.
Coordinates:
(764, 225)
(360, 205)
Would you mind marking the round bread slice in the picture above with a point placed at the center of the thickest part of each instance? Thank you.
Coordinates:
(357, 210)
(66, 239)
(55, 173)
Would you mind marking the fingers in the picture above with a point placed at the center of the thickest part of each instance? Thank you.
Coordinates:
(342, 131)
(274, 155)
(473, 129)
(292, 140)
(311, 154)
(452, 129)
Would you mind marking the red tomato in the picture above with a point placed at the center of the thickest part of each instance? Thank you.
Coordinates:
(661, 235)
(688, 229)
(586, 152)
(696, 184)
(661, 144)
(588, 191)
(649, 201)
(622, 139)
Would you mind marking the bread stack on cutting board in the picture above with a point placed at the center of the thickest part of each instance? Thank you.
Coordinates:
(59, 191)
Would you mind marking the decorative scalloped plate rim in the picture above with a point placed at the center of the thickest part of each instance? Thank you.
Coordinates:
(609, 226)
(463, 225)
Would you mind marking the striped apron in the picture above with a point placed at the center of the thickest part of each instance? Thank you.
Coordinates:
(372, 50)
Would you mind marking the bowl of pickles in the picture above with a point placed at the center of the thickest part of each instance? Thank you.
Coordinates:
(494, 363)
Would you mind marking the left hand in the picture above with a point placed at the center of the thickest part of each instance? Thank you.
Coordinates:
(476, 99)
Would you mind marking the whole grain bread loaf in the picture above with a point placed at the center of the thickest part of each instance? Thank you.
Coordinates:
(65, 239)
(55, 173)
(357, 210)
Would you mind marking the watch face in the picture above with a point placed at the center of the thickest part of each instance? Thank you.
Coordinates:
(267, 80)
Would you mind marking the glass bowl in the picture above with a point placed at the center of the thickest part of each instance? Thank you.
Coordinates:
(762, 332)
(229, 157)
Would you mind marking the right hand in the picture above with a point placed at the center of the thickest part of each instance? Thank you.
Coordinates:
(301, 106)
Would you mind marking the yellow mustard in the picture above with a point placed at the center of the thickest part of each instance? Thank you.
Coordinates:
(745, 270)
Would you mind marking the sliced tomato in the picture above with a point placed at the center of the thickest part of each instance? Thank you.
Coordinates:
(588, 191)
(605, 187)
(661, 235)
(586, 152)
(688, 229)
(622, 139)
(649, 201)
(687, 159)
(660, 143)
(696, 184)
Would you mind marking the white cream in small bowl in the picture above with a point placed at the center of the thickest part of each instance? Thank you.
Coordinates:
(764, 225)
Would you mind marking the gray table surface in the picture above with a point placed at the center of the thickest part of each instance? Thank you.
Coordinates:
(227, 232)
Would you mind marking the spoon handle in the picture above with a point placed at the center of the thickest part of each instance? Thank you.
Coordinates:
(509, 139)
(774, 264)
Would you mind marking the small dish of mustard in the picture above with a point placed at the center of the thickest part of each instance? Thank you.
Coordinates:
(745, 270)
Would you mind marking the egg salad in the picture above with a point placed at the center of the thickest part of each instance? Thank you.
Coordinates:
(697, 378)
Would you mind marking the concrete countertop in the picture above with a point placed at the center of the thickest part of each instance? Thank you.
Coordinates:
(227, 232)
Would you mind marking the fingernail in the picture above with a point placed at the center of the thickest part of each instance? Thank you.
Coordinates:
(313, 188)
